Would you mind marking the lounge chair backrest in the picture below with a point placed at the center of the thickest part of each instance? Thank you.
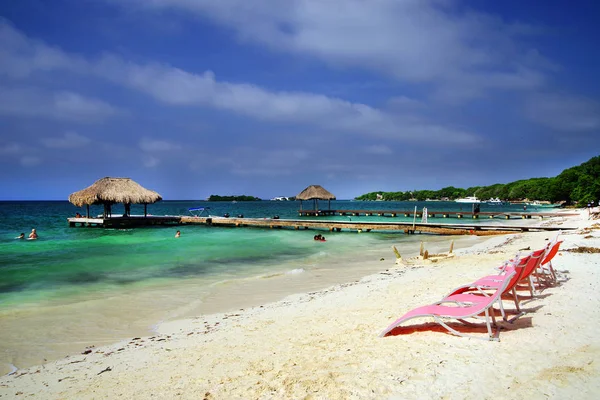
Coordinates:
(519, 267)
(552, 250)
(535, 259)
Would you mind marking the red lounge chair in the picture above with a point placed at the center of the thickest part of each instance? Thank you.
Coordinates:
(545, 267)
(523, 268)
(471, 306)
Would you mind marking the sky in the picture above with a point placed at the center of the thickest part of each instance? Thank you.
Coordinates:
(266, 97)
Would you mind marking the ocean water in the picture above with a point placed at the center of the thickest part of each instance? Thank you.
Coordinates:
(75, 287)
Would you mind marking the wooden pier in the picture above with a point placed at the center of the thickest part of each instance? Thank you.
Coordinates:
(430, 214)
(355, 226)
(301, 224)
(125, 222)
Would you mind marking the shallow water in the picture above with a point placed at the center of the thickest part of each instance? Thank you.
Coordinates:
(75, 287)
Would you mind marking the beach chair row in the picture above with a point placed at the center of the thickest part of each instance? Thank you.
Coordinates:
(476, 300)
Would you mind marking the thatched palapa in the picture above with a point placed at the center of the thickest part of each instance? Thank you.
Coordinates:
(109, 191)
(315, 193)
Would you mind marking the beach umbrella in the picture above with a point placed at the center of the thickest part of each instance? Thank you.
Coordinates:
(109, 191)
(315, 193)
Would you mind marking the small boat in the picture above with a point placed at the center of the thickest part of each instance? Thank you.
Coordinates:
(543, 204)
(469, 199)
(494, 201)
(199, 211)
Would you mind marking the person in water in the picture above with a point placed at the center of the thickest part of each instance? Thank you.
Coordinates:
(33, 234)
(77, 215)
(177, 234)
(21, 236)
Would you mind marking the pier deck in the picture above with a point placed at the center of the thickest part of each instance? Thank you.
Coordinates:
(298, 224)
(355, 226)
(125, 222)
(431, 214)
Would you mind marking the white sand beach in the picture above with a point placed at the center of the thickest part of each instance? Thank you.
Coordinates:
(325, 344)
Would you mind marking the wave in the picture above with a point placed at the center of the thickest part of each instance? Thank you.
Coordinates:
(295, 271)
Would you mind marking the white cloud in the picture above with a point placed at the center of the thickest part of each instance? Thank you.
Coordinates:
(70, 140)
(418, 41)
(21, 56)
(564, 112)
(69, 106)
(150, 161)
(10, 148)
(378, 149)
(79, 107)
(30, 161)
(248, 161)
(152, 145)
(178, 87)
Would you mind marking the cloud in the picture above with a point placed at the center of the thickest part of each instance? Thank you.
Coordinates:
(70, 140)
(379, 149)
(416, 41)
(564, 112)
(249, 161)
(150, 161)
(63, 105)
(10, 148)
(152, 145)
(177, 87)
(22, 56)
(30, 161)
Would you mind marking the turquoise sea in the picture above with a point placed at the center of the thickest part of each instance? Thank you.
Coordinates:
(75, 287)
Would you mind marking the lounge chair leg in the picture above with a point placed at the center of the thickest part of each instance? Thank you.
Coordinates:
(516, 300)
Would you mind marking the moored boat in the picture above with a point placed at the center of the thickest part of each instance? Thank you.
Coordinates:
(494, 201)
(468, 199)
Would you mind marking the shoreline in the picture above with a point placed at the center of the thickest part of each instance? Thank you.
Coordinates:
(324, 343)
(68, 325)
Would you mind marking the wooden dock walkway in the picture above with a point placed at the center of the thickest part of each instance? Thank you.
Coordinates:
(298, 224)
(356, 226)
(125, 222)
(430, 214)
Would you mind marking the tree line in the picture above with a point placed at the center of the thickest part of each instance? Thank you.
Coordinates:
(576, 185)
(215, 197)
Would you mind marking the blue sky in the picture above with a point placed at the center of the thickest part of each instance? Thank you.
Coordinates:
(198, 97)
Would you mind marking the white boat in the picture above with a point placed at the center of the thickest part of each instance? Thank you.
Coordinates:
(494, 201)
(469, 199)
(543, 204)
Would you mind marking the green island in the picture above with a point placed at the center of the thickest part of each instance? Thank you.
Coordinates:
(576, 185)
(214, 197)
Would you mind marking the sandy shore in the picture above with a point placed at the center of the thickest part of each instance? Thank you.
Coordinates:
(325, 345)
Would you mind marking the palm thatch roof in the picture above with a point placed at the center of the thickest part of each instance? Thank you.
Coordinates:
(114, 190)
(315, 192)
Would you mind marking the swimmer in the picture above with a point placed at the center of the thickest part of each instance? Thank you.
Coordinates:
(177, 234)
(21, 236)
(33, 235)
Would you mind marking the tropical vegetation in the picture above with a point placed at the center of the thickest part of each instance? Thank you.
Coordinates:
(576, 185)
(214, 197)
